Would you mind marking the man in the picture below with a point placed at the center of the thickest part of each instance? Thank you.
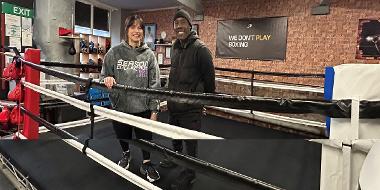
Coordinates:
(192, 70)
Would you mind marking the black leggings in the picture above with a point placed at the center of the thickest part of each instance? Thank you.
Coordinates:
(124, 131)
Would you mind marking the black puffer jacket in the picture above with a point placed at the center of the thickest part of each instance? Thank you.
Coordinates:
(192, 70)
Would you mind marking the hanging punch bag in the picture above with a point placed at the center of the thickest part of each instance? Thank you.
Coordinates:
(72, 50)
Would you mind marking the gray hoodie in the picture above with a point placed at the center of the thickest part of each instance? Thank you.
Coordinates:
(135, 67)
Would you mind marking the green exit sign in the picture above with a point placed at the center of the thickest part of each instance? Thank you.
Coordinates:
(16, 10)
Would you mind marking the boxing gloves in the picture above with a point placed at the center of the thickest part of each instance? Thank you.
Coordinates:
(13, 117)
(16, 94)
(4, 115)
(16, 117)
(13, 71)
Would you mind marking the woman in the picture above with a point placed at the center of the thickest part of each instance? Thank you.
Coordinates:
(132, 63)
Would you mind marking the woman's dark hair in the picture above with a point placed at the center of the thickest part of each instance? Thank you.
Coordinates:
(129, 21)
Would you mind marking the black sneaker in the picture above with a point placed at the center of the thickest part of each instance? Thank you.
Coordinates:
(167, 163)
(185, 179)
(124, 161)
(148, 170)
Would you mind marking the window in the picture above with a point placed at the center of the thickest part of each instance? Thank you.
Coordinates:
(101, 21)
(84, 18)
(91, 20)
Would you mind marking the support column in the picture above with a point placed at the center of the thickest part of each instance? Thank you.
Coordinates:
(50, 15)
(32, 98)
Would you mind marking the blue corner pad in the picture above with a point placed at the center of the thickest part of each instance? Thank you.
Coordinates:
(328, 123)
(328, 92)
(329, 83)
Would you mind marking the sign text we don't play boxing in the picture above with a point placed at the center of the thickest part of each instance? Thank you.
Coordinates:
(252, 38)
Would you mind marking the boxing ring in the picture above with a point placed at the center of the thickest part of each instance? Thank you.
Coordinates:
(68, 166)
(61, 170)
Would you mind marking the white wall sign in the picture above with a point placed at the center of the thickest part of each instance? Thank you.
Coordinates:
(12, 20)
(26, 24)
(15, 42)
(160, 58)
(27, 38)
(12, 30)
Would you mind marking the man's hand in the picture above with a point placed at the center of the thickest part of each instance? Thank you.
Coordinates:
(204, 111)
(109, 82)
(153, 116)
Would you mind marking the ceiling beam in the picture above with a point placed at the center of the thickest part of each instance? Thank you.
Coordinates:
(154, 10)
(194, 5)
(99, 4)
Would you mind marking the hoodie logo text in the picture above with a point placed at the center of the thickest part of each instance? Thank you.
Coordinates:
(140, 66)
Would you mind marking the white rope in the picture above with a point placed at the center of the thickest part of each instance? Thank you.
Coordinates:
(7, 103)
(9, 54)
(94, 155)
(73, 124)
(75, 102)
(20, 135)
(163, 129)
(133, 178)
(112, 166)
(51, 82)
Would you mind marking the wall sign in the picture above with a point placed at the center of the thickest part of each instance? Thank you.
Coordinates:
(16, 10)
(253, 38)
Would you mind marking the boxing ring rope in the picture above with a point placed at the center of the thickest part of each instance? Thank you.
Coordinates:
(79, 146)
(99, 158)
(203, 166)
(312, 128)
(133, 178)
(51, 82)
(335, 108)
(145, 124)
(73, 141)
(73, 124)
(346, 108)
(188, 161)
(255, 72)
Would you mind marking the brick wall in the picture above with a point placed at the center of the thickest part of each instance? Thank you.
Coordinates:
(313, 42)
(164, 21)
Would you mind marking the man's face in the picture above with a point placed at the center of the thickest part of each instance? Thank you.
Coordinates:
(181, 28)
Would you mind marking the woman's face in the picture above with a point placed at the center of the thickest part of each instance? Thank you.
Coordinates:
(135, 33)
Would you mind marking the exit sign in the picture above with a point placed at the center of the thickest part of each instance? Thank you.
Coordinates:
(16, 10)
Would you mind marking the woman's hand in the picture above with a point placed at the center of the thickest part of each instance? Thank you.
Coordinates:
(153, 116)
(109, 82)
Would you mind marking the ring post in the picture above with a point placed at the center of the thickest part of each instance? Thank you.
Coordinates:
(32, 98)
